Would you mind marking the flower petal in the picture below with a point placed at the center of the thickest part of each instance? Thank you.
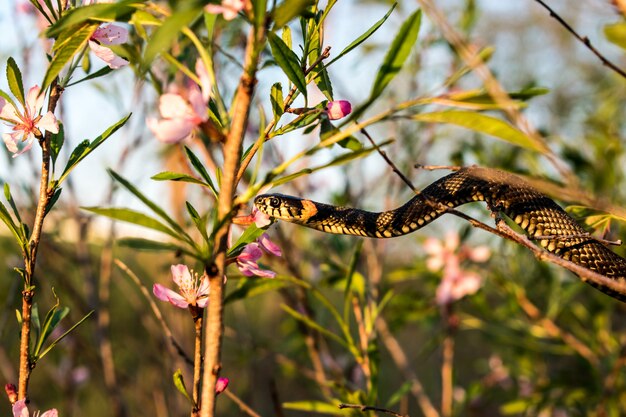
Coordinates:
(173, 106)
(170, 130)
(260, 219)
(10, 142)
(110, 35)
(34, 102)
(107, 55)
(221, 384)
(181, 275)
(49, 122)
(50, 413)
(172, 297)
(10, 113)
(198, 104)
(269, 246)
(19, 409)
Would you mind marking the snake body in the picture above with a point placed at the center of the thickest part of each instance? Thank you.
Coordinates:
(503, 192)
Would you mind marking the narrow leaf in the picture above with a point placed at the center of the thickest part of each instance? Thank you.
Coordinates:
(14, 78)
(313, 325)
(133, 217)
(364, 36)
(290, 9)
(56, 143)
(252, 287)
(200, 169)
(178, 176)
(152, 245)
(164, 36)
(483, 124)
(616, 34)
(288, 61)
(398, 52)
(71, 329)
(66, 49)
(179, 383)
(277, 100)
(119, 11)
(313, 407)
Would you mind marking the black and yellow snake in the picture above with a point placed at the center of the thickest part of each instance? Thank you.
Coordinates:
(503, 192)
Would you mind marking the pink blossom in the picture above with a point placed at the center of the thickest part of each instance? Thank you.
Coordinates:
(257, 217)
(27, 124)
(252, 252)
(229, 8)
(20, 410)
(221, 385)
(338, 109)
(446, 255)
(109, 35)
(180, 115)
(193, 290)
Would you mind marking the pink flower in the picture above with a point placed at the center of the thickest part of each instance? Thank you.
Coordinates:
(221, 385)
(20, 410)
(257, 217)
(229, 8)
(109, 35)
(193, 290)
(180, 115)
(446, 255)
(247, 259)
(27, 124)
(338, 109)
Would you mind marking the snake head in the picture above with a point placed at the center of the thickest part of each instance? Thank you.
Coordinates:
(284, 207)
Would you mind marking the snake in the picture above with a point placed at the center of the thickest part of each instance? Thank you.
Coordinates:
(539, 216)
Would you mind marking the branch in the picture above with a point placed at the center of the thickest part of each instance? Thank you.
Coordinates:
(369, 408)
(584, 40)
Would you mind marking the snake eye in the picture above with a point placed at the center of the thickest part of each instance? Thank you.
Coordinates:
(274, 202)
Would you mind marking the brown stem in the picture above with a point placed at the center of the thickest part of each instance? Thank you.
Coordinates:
(30, 253)
(197, 360)
(215, 272)
(448, 362)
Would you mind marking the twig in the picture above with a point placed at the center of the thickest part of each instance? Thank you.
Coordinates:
(402, 362)
(155, 310)
(583, 39)
(242, 405)
(370, 408)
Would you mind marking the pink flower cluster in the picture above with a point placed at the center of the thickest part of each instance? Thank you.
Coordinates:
(252, 252)
(447, 255)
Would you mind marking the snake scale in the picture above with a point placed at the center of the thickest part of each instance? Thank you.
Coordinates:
(503, 192)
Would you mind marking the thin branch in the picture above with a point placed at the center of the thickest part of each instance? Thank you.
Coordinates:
(583, 39)
(245, 408)
(365, 408)
(155, 310)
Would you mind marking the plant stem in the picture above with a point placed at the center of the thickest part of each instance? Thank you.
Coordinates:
(30, 252)
(232, 156)
(197, 360)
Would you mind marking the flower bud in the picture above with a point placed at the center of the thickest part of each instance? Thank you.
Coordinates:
(338, 109)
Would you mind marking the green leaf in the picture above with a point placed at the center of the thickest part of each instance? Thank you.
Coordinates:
(483, 124)
(318, 74)
(152, 245)
(364, 36)
(71, 329)
(119, 11)
(313, 406)
(133, 217)
(65, 49)
(179, 383)
(251, 233)
(85, 147)
(9, 198)
(178, 176)
(199, 221)
(616, 33)
(288, 10)
(200, 169)
(277, 100)
(167, 33)
(398, 53)
(53, 317)
(327, 129)
(288, 61)
(100, 73)
(55, 197)
(8, 220)
(56, 143)
(14, 77)
(299, 122)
